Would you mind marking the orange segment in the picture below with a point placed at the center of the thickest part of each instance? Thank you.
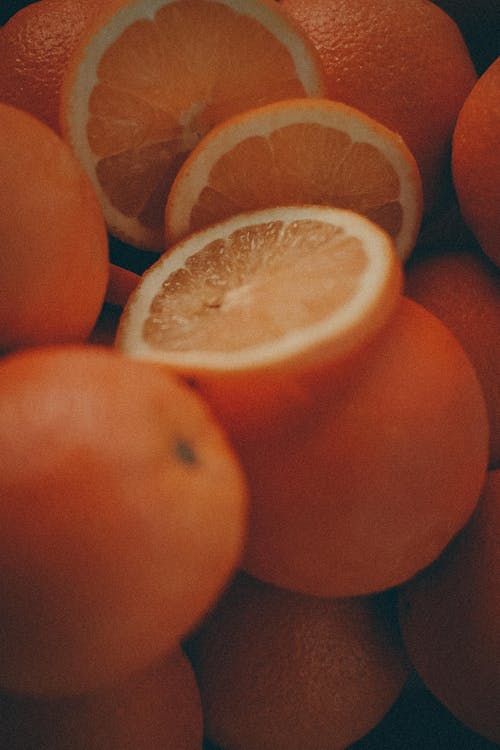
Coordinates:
(267, 290)
(295, 152)
(153, 76)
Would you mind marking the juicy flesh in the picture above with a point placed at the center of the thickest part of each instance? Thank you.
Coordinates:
(254, 286)
(164, 83)
(302, 163)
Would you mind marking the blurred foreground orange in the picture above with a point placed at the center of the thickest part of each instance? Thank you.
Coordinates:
(53, 242)
(123, 514)
(450, 619)
(283, 671)
(359, 419)
(476, 161)
(405, 64)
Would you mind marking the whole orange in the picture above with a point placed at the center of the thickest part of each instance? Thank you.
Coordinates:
(384, 468)
(450, 620)
(122, 515)
(35, 45)
(462, 288)
(476, 161)
(283, 671)
(53, 242)
(405, 64)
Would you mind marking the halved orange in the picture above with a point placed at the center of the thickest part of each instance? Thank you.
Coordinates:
(357, 417)
(312, 151)
(152, 76)
(272, 291)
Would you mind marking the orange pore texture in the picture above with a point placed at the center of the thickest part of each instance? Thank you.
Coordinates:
(283, 671)
(123, 514)
(360, 476)
(476, 161)
(35, 46)
(53, 241)
(155, 709)
(405, 64)
(450, 618)
(462, 288)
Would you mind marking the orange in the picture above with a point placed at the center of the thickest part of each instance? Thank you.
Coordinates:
(294, 152)
(283, 671)
(462, 288)
(13, 7)
(123, 514)
(476, 161)
(450, 618)
(479, 22)
(156, 709)
(365, 442)
(53, 242)
(264, 294)
(35, 45)
(404, 64)
(122, 283)
(152, 76)
(370, 491)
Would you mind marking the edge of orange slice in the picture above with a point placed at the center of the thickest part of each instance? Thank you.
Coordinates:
(300, 285)
(114, 24)
(284, 147)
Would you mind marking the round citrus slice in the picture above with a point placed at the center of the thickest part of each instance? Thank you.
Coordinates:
(151, 77)
(271, 291)
(298, 151)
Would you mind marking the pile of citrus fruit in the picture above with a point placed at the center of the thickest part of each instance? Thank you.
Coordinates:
(249, 374)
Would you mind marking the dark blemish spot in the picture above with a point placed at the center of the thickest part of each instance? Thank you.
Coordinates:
(184, 451)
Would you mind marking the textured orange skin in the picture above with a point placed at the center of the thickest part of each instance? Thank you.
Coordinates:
(462, 288)
(450, 619)
(158, 709)
(359, 476)
(476, 161)
(123, 514)
(283, 671)
(35, 46)
(405, 64)
(53, 241)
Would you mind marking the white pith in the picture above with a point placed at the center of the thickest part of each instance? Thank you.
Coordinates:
(86, 78)
(341, 326)
(265, 121)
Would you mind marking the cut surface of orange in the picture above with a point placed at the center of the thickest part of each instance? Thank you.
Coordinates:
(272, 290)
(299, 151)
(153, 76)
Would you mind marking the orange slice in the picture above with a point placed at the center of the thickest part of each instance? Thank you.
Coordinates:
(271, 291)
(295, 152)
(153, 76)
